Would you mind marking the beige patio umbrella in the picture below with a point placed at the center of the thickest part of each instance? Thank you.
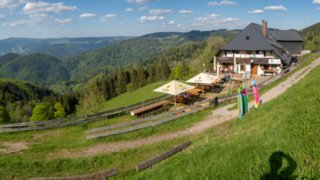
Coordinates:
(203, 78)
(174, 88)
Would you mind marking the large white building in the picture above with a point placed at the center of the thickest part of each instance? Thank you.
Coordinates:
(258, 51)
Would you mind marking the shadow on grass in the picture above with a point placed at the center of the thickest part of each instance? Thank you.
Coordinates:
(277, 171)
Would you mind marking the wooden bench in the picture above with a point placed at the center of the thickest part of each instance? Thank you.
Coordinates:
(149, 108)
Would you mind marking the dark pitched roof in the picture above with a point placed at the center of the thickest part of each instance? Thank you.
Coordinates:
(252, 39)
(285, 35)
(249, 39)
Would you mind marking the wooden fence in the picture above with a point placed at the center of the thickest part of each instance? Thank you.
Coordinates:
(63, 122)
(146, 122)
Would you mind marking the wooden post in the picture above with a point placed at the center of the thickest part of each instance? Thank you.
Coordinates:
(218, 70)
(214, 63)
(235, 69)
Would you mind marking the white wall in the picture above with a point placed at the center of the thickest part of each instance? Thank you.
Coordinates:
(260, 72)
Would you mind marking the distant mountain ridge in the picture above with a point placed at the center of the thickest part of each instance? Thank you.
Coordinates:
(46, 69)
(57, 47)
(194, 35)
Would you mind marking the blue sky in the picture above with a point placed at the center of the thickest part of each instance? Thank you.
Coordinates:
(86, 18)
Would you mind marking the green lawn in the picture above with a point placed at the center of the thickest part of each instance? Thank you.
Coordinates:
(282, 134)
(133, 97)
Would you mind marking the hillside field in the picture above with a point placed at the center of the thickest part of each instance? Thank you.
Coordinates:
(278, 140)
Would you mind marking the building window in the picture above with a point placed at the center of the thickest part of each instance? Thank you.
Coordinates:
(242, 67)
(259, 52)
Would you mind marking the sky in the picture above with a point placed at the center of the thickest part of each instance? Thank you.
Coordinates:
(94, 18)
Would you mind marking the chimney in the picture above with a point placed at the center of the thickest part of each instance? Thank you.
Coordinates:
(264, 27)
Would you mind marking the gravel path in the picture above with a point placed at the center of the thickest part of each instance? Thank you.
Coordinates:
(218, 116)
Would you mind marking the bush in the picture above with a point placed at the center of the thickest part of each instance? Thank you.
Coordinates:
(59, 110)
(4, 115)
(42, 111)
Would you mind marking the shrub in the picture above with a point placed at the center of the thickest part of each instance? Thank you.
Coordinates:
(42, 111)
(4, 115)
(59, 110)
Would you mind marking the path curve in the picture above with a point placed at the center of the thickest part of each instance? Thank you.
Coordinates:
(218, 116)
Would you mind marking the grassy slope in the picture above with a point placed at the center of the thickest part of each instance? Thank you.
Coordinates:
(257, 138)
(241, 149)
(136, 96)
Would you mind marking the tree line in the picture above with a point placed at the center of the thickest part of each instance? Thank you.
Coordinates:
(119, 81)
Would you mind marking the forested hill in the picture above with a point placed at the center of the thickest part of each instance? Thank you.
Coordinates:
(140, 49)
(57, 47)
(15, 90)
(37, 68)
(17, 99)
(311, 36)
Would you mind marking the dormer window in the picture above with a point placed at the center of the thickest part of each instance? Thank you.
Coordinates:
(247, 37)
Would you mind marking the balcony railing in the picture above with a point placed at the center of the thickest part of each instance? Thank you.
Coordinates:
(248, 56)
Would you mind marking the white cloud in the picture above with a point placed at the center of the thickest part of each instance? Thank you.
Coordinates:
(2, 16)
(32, 20)
(276, 8)
(138, 1)
(206, 19)
(183, 11)
(9, 4)
(21, 22)
(230, 19)
(316, 2)
(318, 8)
(107, 16)
(256, 11)
(38, 17)
(63, 21)
(87, 15)
(45, 7)
(222, 3)
(215, 21)
(171, 22)
(159, 11)
(151, 18)
(129, 10)
(143, 8)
